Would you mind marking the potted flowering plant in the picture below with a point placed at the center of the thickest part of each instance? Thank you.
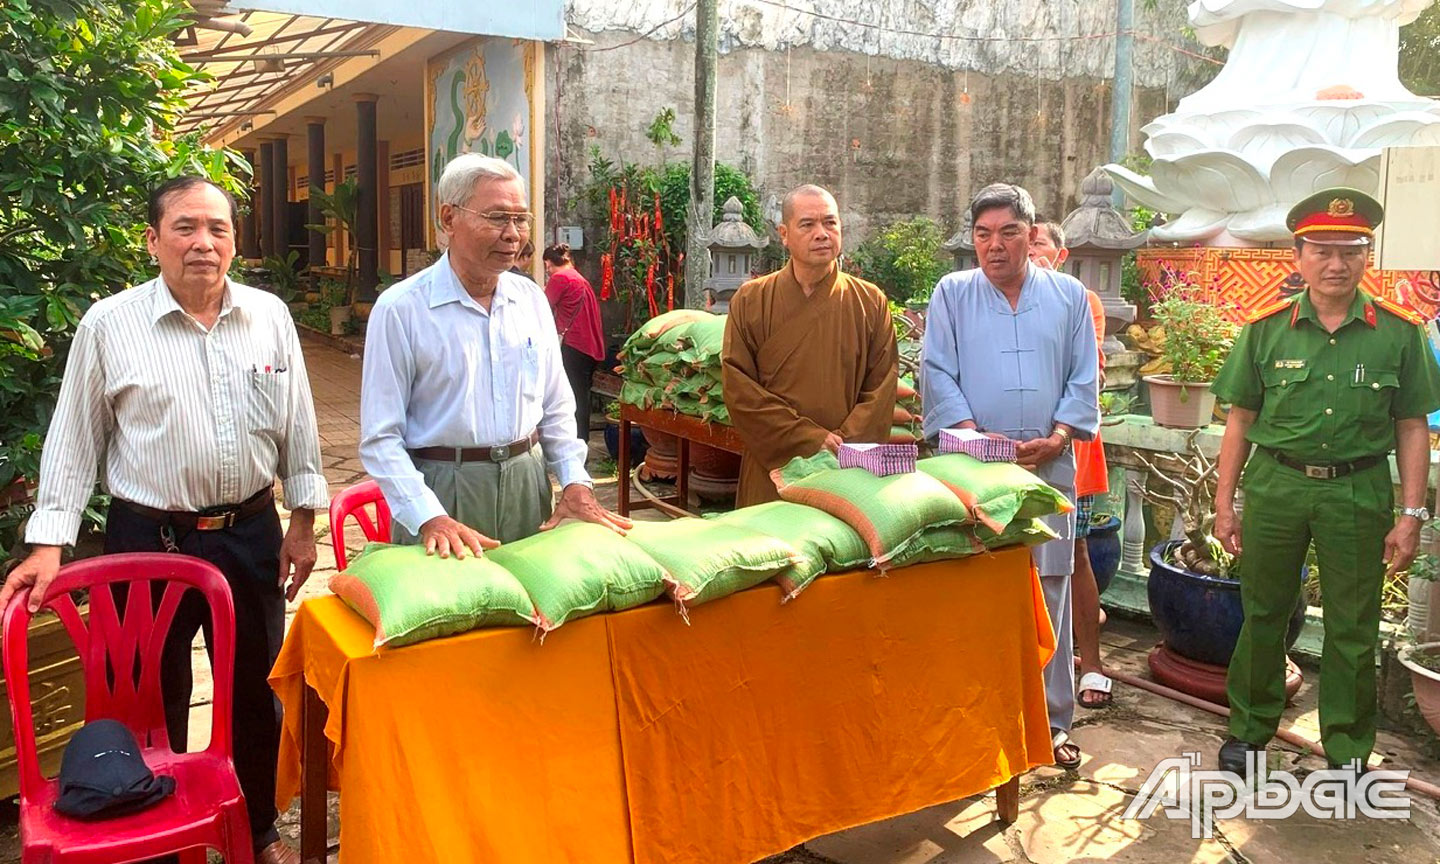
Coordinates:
(1193, 339)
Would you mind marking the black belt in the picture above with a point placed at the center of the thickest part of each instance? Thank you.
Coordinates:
(209, 519)
(1326, 472)
(478, 454)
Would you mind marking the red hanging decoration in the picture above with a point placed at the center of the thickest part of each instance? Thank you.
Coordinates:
(650, 289)
(659, 220)
(670, 292)
(607, 275)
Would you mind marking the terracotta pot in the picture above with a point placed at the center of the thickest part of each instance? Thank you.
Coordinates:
(714, 474)
(662, 460)
(1204, 680)
(1180, 404)
(1425, 681)
(362, 310)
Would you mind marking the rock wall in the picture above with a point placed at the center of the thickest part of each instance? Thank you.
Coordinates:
(895, 125)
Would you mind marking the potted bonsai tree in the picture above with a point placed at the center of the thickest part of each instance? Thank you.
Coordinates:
(1194, 584)
(1193, 339)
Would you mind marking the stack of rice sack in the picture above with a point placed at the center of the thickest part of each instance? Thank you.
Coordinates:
(830, 520)
(906, 426)
(673, 362)
(557, 576)
(952, 506)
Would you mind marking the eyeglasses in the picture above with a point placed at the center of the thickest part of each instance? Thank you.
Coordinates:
(523, 223)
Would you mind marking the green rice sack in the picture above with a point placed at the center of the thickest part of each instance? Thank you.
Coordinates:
(409, 596)
(578, 569)
(1021, 532)
(941, 544)
(701, 341)
(644, 338)
(822, 542)
(708, 559)
(641, 395)
(997, 493)
(889, 513)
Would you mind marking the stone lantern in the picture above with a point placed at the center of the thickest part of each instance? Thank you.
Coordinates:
(1099, 236)
(733, 248)
(962, 245)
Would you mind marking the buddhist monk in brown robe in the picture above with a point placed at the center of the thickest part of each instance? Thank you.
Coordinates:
(810, 357)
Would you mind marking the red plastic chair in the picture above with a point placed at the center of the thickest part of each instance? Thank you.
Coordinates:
(352, 502)
(206, 809)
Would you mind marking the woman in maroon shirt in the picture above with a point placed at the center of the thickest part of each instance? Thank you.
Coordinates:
(577, 318)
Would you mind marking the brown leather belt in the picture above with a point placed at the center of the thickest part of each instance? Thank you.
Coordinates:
(209, 519)
(478, 454)
(1325, 472)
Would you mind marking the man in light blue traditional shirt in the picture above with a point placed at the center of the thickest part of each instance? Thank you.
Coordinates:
(1010, 351)
(464, 403)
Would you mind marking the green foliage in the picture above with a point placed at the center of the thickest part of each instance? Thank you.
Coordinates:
(903, 258)
(284, 279)
(88, 97)
(1113, 403)
(1132, 281)
(641, 261)
(674, 188)
(1420, 53)
(661, 131)
(1198, 336)
(342, 205)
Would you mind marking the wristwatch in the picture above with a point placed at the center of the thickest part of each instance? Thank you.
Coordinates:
(1064, 436)
(1421, 513)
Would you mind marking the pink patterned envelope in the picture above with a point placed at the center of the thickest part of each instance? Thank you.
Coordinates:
(973, 443)
(882, 460)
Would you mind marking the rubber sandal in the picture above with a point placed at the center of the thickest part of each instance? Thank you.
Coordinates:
(1060, 740)
(1094, 682)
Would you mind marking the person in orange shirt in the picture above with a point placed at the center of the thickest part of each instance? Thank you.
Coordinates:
(1091, 479)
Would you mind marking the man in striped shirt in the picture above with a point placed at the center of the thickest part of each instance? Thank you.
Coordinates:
(191, 392)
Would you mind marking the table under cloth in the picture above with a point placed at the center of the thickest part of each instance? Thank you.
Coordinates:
(635, 736)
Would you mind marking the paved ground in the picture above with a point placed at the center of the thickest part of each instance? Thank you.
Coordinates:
(1074, 817)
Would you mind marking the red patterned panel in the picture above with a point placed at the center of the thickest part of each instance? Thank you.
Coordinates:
(1252, 278)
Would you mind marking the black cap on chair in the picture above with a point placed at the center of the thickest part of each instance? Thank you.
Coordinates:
(102, 774)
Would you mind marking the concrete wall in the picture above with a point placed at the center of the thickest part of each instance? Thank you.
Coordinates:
(891, 137)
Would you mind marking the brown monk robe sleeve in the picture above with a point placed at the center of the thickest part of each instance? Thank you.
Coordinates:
(773, 431)
(869, 421)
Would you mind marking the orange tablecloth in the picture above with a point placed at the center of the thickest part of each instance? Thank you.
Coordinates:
(633, 736)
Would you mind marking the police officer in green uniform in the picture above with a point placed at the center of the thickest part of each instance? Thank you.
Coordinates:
(1324, 385)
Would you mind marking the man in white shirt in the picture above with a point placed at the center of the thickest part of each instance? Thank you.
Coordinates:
(191, 391)
(464, 403)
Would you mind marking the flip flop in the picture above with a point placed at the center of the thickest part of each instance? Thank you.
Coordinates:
(1094, 682)
(1061, 741)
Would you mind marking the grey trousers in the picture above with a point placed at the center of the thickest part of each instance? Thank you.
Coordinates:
(1060, 672)
(505, 501)
(1056, 562)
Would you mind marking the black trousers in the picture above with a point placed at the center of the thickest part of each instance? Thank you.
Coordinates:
(248, 553)
(580, 370)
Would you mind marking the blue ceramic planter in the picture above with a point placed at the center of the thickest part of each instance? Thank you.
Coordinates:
(638, 444)
(1199, 617)
(1104, 547)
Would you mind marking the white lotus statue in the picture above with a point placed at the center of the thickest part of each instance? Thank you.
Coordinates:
(1309, 97)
